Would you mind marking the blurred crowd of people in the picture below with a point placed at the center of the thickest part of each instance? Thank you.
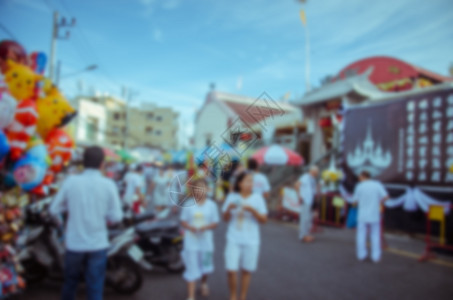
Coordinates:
(243, 210)
(242, 199)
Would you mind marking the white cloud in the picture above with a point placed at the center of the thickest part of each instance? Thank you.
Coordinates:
(255, 14)
(239, 83)
(157, 35)
(34, 5)
(404, 31)
(171, 4)
(150, 6)
(341, 32)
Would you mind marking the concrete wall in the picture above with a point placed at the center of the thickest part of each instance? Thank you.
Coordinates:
(153, 127)
(212, 121)
(87, 111)
(147, 125)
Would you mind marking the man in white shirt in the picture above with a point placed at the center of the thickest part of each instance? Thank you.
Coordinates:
(148, 172)
(306, 187)
(135, 185)
(369, 194)
(260, 183)
(90, 200)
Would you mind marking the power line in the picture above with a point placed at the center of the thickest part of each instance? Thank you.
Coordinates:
(112, 82)
(49, 6)
(3, 27)
(89, 46)
(83, 46)
(65, 7)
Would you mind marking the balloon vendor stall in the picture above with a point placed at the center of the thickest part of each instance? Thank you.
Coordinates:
(34, 147)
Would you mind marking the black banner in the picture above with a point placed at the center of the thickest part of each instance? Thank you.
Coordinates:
(404, 141)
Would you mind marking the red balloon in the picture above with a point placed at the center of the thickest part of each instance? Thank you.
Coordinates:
(11, 50)
(22, 128)
(59, 146)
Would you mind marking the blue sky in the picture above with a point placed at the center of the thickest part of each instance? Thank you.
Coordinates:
(170, 51)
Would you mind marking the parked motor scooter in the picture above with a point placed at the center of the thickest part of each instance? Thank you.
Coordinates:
(161, 240)
(41, 252)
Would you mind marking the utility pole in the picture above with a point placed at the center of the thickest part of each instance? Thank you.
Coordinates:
(56, 25)
(57, 75)
(52, 43)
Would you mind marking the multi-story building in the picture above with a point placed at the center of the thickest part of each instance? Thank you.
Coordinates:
(152, 126)
(90, 125)
(110, 122)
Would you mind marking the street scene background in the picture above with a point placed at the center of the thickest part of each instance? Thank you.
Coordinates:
(296, 134)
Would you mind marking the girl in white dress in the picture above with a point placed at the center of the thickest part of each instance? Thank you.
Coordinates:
(198, 221)
(244, 211)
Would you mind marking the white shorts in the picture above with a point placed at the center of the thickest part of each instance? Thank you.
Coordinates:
(197, 263)
(241, 257)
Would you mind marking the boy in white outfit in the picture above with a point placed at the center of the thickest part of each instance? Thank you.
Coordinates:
(198, 221)
(369, 194)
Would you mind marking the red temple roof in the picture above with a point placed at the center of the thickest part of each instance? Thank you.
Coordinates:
(388, 69)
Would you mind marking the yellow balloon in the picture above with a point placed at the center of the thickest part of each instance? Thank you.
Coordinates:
(21, 80)
(54, 110)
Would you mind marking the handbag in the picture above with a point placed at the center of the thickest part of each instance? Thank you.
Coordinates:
(351, 221)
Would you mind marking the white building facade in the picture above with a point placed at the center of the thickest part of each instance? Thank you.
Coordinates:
(90, 123)
(228, 118)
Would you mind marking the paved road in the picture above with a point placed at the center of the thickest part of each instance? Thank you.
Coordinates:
(326, 269)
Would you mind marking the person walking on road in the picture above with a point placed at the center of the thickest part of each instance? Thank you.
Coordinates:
(134, 196)
(260, 183)
(244, 211)
(159, 189)
(198, 221)
(90, 200)
(148, 172)
(369, 194)
(307, 188)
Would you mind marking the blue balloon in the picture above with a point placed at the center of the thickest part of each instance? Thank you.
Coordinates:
(38, 62)
(41, 61)
(4, 145)
(30, 170)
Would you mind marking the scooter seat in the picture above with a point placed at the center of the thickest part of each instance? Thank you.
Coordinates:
(157, 227)
(143, 217)
(113, 233)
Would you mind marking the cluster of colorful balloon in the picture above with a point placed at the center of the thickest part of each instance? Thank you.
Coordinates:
(33, 144)
(11, 282)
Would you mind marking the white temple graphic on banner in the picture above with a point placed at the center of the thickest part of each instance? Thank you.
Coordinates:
(369, 156)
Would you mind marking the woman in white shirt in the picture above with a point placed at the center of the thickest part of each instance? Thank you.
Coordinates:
(243, 211)
(159, 189)
(198, 221)
(134, 181)
(260, 183)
